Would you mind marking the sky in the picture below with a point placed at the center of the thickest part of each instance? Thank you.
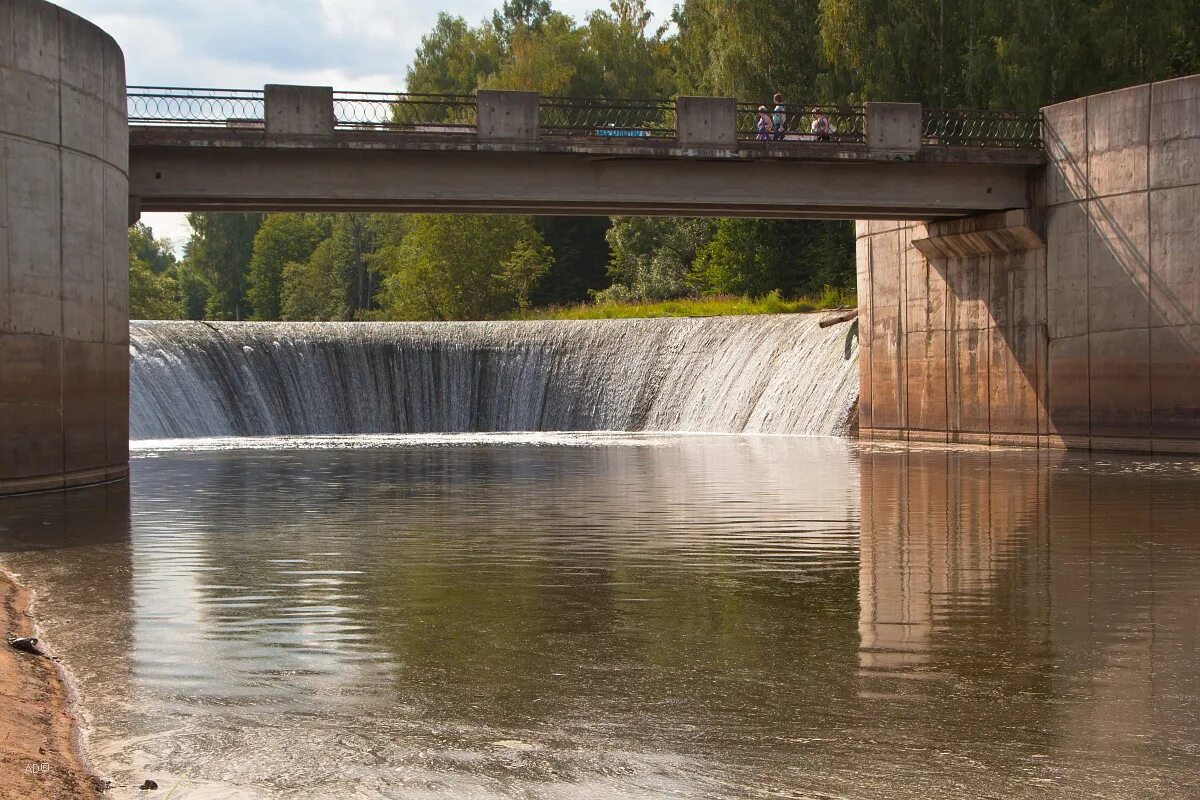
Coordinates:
(243, 44)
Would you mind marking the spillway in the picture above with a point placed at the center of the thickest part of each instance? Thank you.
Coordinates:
(767, 374)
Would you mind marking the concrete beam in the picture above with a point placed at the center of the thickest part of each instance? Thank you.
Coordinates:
(1006, 232)
(299, 110)
(506, 116)
(267, 178)
(706, 121)
(893, 129)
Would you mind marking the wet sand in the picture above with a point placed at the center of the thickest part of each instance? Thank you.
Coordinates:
(39, 754)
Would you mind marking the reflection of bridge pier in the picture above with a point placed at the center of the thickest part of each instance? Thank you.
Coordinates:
(938, 536)
(1031, 601)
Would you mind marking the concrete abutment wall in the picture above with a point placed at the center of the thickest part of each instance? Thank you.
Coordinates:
(1074, 324)
(64, 322)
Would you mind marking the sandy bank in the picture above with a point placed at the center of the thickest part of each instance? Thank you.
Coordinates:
(38, 754)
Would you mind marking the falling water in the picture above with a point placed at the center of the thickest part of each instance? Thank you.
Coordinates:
(769, 374)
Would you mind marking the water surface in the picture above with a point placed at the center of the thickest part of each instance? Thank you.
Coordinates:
(606, 616)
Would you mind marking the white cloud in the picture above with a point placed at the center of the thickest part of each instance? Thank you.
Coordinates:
(246, 43)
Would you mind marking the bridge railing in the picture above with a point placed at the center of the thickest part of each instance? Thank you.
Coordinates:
(428, 113)
(807, 122)
(610, 118)
(590, 118)
(971, 128)
(196, 108)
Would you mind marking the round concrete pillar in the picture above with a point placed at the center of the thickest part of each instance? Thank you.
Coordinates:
(64, 296)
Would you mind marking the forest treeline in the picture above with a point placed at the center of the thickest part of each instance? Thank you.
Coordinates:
(1012, 54)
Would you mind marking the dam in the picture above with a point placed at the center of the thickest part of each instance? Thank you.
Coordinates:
(780, 374)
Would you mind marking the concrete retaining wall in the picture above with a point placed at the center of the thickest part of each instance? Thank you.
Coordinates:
(974, 331)
(64, 323)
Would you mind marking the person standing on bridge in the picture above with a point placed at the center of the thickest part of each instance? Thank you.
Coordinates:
(822, 128)
(779, 118)
(763, 124)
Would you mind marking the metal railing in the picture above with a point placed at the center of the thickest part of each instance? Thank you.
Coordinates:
(193, 108)
(971, 128)
(607, 118)
(808, 122)
(420, 113)
(578, 117)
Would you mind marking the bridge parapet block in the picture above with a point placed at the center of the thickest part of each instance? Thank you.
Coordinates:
(893, 129)
(299, 110)
(706, 121)
(504, 116)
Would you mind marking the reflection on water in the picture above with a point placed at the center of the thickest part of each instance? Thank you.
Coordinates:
(619, 617)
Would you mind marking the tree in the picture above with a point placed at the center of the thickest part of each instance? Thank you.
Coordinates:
(153, 292)
(218, 255)
(461, 267)
(652, 256)
(756, 256)
(750, 49)
(453, 58)
(282, 238)
(580, 259)
(157, 254)
(312, 290)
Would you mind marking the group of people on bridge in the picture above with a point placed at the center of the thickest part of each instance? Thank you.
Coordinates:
(772, 125)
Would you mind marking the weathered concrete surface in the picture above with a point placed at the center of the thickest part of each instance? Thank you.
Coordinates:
(507, 116)
(979, 333)
(706, 121)
(894, 129)
(219, 170)
(299, 110)
(63, 251)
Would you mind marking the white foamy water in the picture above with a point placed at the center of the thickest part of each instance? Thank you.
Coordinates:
(770, 374)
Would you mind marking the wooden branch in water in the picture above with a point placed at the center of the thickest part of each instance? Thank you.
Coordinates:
(841, 316)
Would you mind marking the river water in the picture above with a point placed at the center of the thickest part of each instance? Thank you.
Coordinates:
(626, 616)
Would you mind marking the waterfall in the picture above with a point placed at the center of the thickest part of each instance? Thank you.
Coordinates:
(767, 374)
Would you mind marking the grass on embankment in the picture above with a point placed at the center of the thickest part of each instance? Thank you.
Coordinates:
(715, 306)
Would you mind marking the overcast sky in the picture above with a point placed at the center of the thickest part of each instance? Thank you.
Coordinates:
(243, 44)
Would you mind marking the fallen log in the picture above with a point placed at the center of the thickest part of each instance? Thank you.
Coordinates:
(842, 316)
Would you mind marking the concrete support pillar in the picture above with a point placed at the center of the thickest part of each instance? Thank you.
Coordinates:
(706, 121)
(299, 110)
(893, 129)
(974, 331)
(64, 263)
(506, 116)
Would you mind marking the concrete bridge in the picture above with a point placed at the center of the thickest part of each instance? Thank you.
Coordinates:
(1023, 279)
(311, 148)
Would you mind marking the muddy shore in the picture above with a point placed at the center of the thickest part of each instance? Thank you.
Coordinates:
(39, 754)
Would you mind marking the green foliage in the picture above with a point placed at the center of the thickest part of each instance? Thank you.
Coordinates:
(282, 238)
(217, 256)
(1014, 54)
(311, 289)
(156, 253)
(712, 306)
(756, 256)
(153, 291)
(652, 256)
(580, 259)
(461, 267)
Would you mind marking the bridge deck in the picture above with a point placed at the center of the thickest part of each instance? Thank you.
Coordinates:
(181, 169)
